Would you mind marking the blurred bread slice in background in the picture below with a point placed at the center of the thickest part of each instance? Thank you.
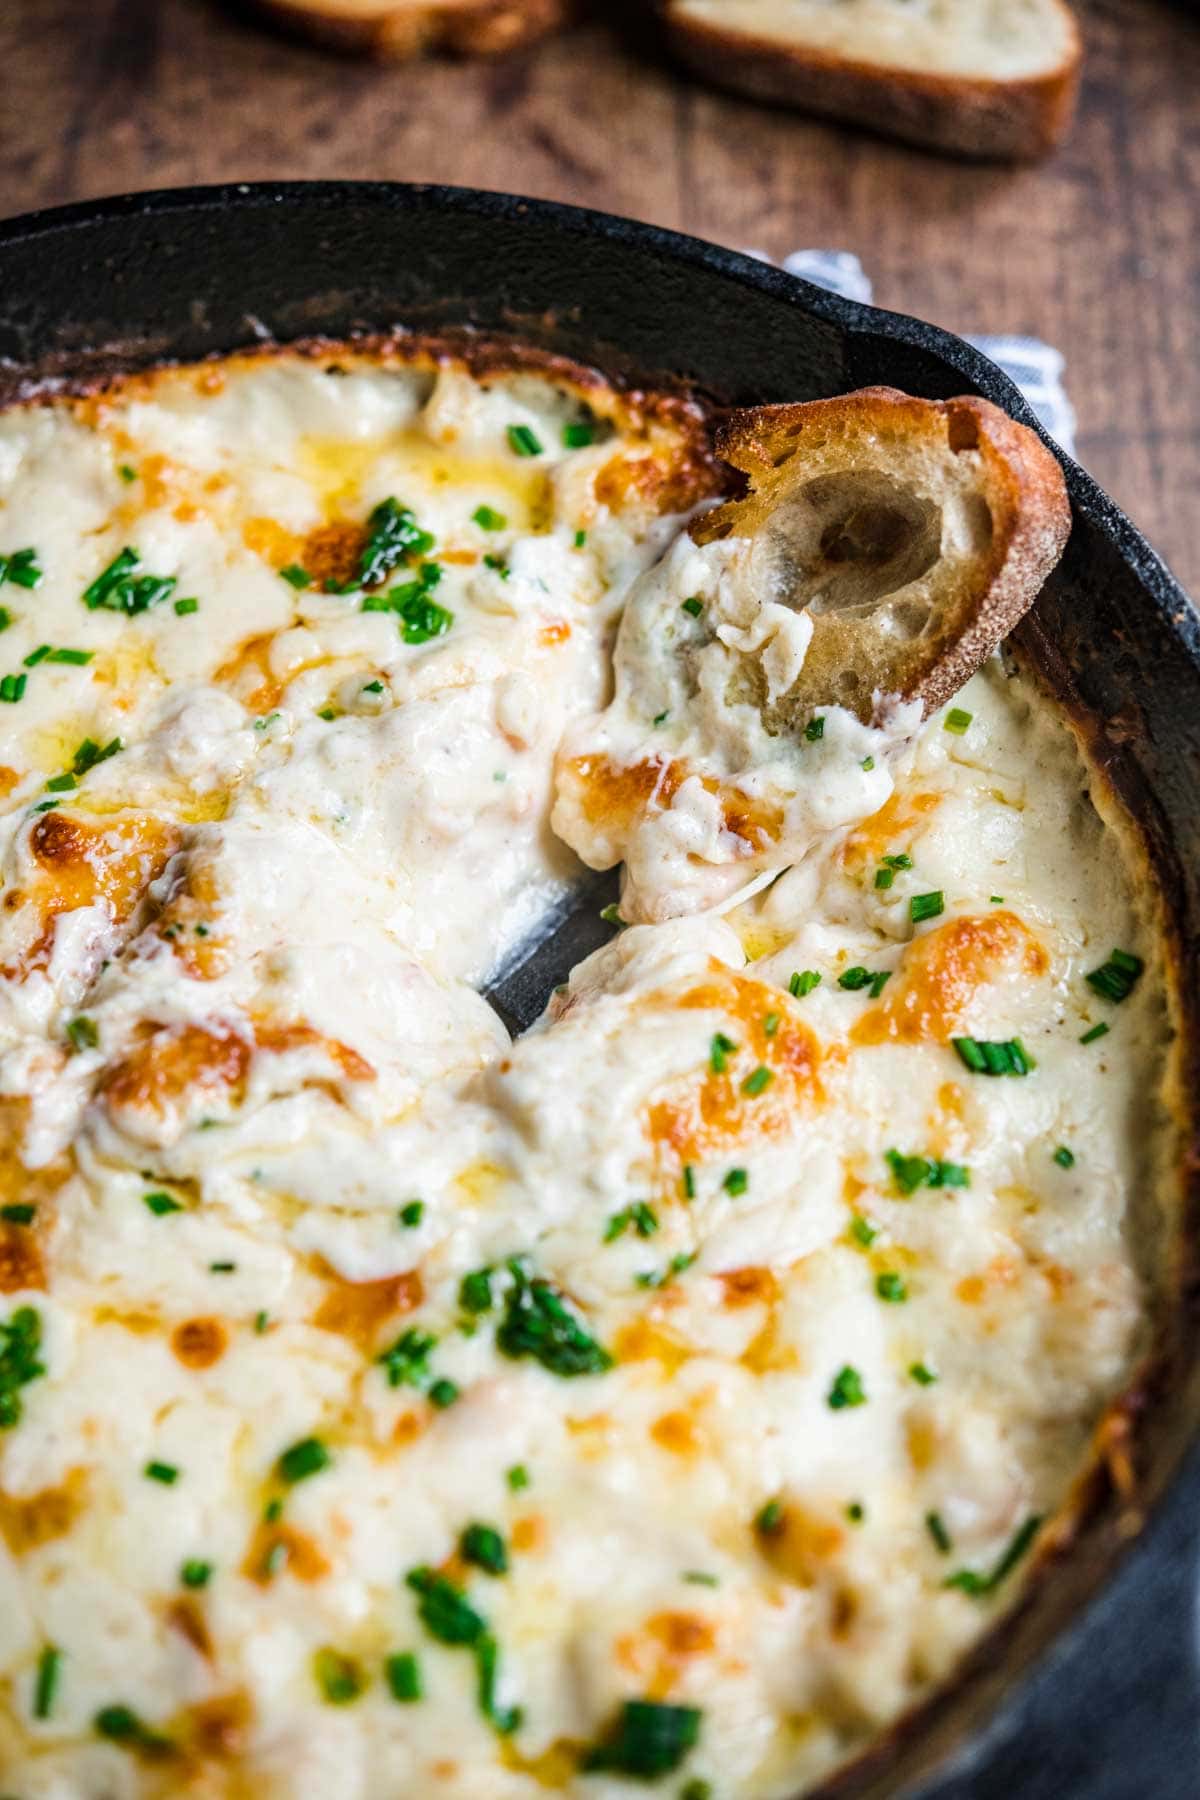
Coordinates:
(397, 30)
(984, 78)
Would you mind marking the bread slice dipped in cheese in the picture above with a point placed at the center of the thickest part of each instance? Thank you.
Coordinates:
(397, 30)
(775, 662)
(987, 78)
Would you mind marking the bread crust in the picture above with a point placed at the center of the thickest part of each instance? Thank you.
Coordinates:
(1016, 120)
(977, 600)
(398, 30)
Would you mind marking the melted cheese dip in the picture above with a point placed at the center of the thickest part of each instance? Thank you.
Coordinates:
(389, 1411)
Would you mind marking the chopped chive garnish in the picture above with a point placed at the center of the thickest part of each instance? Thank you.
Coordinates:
(1009, 1057)
(393, 537)
(611, 914)
(924, 1377)
(968, 1582)
(694, 606)
(188, 605)
(649, 1740)
(771, 1024)
(517, 1478)
(475, 1292)
(884, 878)
(403, 1675)
(36, 656)
(689, 1182)
(443, 1393)
(847, 1390)
(77, 659)
(997, 899)
(720, 1050)
(119, 589)
(89, 754)
(166, 1473)
(21, 567)
(926, 906)
(641, 1217)
(524, 440)
(45, 806)
(911, 1172)
(488, 519)
(339, 1677)
(769, 1520)
(867, 763)
(121, 1725)
(1116, 979)
(957, 720)
(221, 1268)
(802, 982)
(18, 1212)
(878, 982)
(484, 1546)
(1097, 1031)
(578, 436)
(580, 539)
(406, 1362)
(855, 978)
(195, 1574)
(61, 784)
(814, 731)
(48, 1670)
(126, 473)
(82, 1033)
(700, 1578)
(301, 1460)
(856, 1512)
(538, 1322)
(5, 618)
(938, 1532)
(296, 577)
(161, 1204)
(890, 1286)
(757, 1080)
(862, 1231)
(12, 687)
(660, 1278)
(736, 1182)
(660, 718)
(1064, 1158)
(261, 1321)
(412, 1212)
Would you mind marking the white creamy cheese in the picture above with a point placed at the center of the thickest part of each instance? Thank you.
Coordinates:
(385, 1407)
(680, 778)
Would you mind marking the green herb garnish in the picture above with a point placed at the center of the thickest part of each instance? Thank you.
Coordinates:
(957, 720)
(488, 519)
(757, 1080)
(802, 982)
(1116, 979)
(484, 1546)
(1008, 1057)
(196, 1574)
(693, 606)
(641, 1218)
(1089, 1037)
(978, 1586)
(938, 1532)
(1064, 1158)
(166, 1473)
(538, 1322)
(48, 1670)
(926, 906)
(118, 589)
(21, 567)
(720, 1050)
(890, 1286)
(393, 537)
(160, 1204)
(82, 1033)
(411, 1213)
(20, 1341)
(524, 441)
(814, 731)
(847, 1390)
(403, 1675)
(339, 1677)
(301, 1460)
(649, 1740)
(121, 1725)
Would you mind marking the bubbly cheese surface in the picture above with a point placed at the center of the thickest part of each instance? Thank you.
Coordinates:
(389, 1410)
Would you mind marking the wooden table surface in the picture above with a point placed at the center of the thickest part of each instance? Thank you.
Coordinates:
(1097, 250)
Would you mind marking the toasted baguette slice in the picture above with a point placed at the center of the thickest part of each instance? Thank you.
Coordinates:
(396, 30)
(987, 78)
(914, 533)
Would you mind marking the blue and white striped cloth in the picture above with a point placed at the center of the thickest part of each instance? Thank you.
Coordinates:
(1036, 368)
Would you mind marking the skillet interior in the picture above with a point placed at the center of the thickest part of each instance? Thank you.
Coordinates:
(1059, 1700)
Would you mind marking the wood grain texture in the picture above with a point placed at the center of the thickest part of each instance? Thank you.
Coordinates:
(1097, 250)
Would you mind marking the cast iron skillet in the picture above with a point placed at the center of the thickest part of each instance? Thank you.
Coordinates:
(1088, 1692)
